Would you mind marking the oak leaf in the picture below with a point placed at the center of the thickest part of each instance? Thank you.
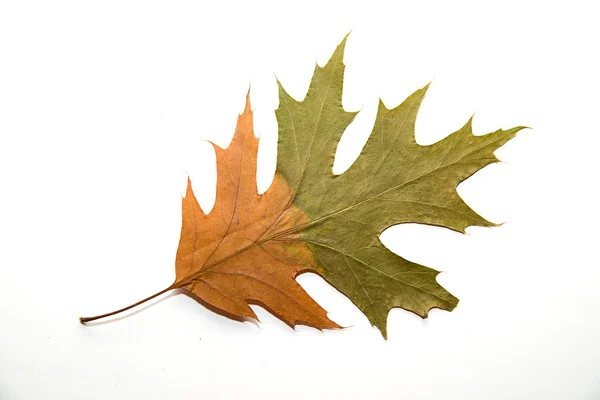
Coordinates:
(250, 248)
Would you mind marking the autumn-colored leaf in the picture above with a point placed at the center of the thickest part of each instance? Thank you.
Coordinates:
(237, 254)
(250, 248)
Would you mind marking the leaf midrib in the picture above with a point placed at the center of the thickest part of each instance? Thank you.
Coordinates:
(306, 225)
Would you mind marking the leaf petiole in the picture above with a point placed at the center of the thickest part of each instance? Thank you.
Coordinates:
(83, 320)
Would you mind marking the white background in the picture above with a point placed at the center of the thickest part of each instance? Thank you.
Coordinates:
(105, 108)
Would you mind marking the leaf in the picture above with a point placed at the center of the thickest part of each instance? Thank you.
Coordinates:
(250, 248)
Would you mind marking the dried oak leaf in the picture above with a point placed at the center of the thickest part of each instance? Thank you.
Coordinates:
(250, 248)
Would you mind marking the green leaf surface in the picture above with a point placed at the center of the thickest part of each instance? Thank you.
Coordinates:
(393, 181)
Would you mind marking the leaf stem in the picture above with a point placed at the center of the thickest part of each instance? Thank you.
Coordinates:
(83, 320)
